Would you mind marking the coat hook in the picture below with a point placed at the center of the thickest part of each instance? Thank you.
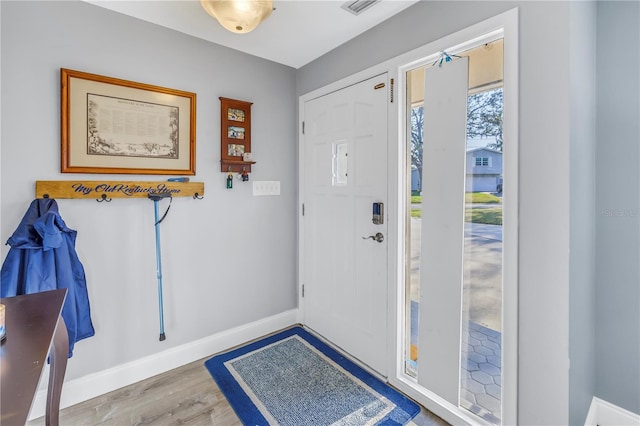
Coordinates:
(197, 196)
(102, 198)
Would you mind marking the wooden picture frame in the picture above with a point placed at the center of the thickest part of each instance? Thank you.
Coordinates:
(109, 125)
(235, 135)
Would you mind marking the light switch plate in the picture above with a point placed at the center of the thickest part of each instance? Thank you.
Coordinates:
(266, 187)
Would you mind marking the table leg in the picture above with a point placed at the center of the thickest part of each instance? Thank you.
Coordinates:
(58, 355)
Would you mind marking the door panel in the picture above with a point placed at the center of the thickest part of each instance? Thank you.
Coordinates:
(345, 172)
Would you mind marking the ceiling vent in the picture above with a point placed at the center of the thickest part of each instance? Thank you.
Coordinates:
(358, 6)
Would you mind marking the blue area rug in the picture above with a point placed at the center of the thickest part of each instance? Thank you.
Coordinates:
(293, 378)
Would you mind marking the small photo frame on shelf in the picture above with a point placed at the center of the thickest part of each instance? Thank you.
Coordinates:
(235, 132)
(236, 150)
(247, 157)
(235, 114)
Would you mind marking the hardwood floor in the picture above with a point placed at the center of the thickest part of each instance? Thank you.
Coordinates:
(184, 396)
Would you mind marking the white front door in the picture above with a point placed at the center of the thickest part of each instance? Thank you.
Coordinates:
(345, 173)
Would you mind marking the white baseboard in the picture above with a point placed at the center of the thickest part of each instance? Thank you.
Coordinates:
(96, 384)
(603, 413)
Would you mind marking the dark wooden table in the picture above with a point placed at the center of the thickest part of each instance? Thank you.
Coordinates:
(35, 329)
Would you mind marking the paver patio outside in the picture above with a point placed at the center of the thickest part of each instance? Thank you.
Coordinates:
(481, 383)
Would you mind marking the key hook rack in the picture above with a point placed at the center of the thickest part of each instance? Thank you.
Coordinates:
(105, 191)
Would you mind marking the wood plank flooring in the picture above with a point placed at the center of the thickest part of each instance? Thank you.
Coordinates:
(184, 396)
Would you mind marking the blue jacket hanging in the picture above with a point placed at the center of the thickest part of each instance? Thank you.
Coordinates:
(43, 257)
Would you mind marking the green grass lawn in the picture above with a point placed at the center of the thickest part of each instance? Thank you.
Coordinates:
(469, 197)
(481, 198)
(490, 216)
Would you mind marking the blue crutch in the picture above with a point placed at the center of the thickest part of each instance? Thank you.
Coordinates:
(156, 198)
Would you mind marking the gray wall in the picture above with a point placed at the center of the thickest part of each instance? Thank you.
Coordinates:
(220, 266)
(618, 205)
(583, 212)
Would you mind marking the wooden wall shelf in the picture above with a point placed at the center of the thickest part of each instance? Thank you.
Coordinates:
(235, 135)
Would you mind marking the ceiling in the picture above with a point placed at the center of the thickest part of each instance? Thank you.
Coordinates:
(297, 32)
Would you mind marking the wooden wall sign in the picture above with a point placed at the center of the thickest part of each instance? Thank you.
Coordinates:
(116, 189)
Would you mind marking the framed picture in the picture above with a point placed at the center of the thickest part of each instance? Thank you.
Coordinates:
(236, 150)
(235, 132)
(110, 125)
(235, 114)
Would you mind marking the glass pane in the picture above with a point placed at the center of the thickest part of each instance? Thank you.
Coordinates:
(415, 209)
(481, 375)
(481, 384)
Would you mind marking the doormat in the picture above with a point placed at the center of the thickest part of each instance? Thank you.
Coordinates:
(293, 378)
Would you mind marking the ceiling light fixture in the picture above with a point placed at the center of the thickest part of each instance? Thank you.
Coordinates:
(238, 16)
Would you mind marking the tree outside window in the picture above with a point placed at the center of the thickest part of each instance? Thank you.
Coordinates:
(484, 120)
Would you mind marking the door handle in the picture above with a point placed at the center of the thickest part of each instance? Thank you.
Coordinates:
(378, 237)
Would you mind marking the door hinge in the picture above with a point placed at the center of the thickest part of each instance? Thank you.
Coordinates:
(302, 290)
(303, 127)
(391, 90)
(302, 209)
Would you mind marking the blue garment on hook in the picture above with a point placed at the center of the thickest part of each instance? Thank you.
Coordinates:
(43, 257)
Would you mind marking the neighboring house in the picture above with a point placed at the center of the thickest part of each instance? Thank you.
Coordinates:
(484, 169)
(416, 180)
